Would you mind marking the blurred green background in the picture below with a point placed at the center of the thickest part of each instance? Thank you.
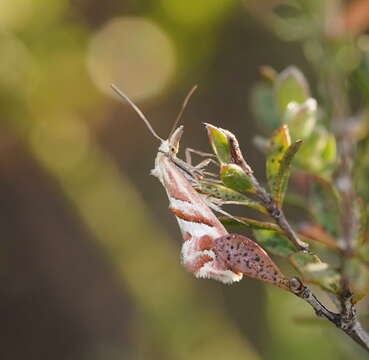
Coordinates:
(89, 254)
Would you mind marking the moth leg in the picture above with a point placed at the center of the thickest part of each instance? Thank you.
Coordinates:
(189, 152)
(207, 173)
(199, 168)
(214, 206)
(203, 164)
(195, 172)
(230, 202)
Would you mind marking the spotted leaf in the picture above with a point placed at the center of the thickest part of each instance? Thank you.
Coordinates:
(235, 178)
(279, 159)
(227, 195)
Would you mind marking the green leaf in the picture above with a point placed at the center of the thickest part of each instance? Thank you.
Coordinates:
(324, 205)
(235, 178)
(358, 276)
(362, 215)
(226, 194)
(363, 252)
(219, 191)
(284, 172)
(278, 162)
(361, 168)
(318, 153)
(361, 76)
(287, 11)
(250, 223)
(219, 142)
(290, 85)
(315, 271)
(329, 151)
(301, 118)
(264, 106)
(274, 242)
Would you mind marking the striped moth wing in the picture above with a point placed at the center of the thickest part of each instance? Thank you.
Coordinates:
(198, 224)
(208, 250)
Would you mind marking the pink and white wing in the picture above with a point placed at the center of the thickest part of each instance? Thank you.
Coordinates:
(199, 226)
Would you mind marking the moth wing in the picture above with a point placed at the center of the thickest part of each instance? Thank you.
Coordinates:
(190, 209)
(242, 255)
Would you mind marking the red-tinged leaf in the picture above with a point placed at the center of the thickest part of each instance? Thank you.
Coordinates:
(243, 255)
(318, 234)
(268, 73)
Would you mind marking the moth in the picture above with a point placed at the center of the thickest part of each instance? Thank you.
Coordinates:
(208, 250)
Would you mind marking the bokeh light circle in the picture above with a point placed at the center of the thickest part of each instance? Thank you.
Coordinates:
(135, 54)
(14, 12)
(195, 12)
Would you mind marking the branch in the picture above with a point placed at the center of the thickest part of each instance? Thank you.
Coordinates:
(346, 320)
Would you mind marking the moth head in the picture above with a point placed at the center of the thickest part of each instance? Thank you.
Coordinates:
(173, 141)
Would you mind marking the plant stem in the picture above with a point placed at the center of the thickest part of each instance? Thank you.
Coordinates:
(346, 320)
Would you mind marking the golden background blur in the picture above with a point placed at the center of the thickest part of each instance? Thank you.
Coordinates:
(89, 254)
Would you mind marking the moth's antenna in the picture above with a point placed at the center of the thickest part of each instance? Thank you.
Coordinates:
(138, 111)
(185, 102)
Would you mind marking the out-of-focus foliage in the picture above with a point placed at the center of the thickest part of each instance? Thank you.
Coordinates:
(55, 73)
(289, 94)
(317, 272)
(290, 87)
(58, 59)
(274, 242)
